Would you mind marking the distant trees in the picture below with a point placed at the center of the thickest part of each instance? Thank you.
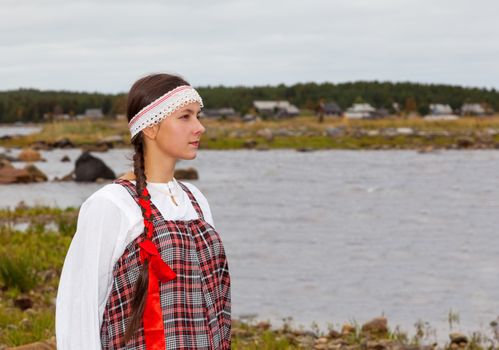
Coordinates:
(31, 104)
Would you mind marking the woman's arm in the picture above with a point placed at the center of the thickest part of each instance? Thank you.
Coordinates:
(87, 273)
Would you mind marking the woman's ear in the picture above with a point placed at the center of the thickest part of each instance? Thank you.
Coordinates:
(151, 131)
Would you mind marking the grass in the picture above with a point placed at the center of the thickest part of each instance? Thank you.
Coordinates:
(16, 271)
(233, 134)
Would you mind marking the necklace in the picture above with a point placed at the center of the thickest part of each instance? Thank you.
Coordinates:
(172, 196)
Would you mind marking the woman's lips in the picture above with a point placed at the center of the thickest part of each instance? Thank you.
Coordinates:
(195, 144)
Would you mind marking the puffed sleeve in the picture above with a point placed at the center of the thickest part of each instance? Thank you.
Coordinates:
(87, 273)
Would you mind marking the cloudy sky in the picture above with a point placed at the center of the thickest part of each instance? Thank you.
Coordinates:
(99, 45)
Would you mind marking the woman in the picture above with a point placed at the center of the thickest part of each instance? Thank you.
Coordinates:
(146, 268)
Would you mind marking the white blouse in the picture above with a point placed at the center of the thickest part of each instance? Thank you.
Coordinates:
(107, 222)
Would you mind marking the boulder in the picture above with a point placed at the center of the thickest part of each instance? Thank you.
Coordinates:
(98, 147)
(376, 326)
(186, 174)
(9, 175)
(65, 159)
(347, 329)
(29, 155)
(5, 163)
(36, 174)
(250, 144)
(89, 168)
(458, 338)
(41, 145)
(63, 143)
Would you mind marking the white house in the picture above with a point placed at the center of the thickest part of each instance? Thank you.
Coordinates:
(440, 111)
(278, 109)
(360, 111)
(472, 109)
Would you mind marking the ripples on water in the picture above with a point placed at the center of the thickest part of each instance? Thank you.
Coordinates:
(336, 236)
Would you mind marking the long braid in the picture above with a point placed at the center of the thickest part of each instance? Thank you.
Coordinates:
(139, 300)
(142, 93)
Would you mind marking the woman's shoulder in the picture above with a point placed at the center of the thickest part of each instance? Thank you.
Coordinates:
(114, 193)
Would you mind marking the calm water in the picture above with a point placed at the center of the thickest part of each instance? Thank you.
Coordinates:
(18, 130)
(337, 236)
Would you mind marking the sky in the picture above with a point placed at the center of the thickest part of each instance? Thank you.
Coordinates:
(104, 46)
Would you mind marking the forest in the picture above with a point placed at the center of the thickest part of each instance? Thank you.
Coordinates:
(30, 105)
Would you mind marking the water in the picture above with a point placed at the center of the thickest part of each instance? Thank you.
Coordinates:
(12, 130)
(337, 236)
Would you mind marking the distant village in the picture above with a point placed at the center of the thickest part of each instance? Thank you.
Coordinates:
(281, 109)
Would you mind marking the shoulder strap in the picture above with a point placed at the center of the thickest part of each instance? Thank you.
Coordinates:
(194, 202)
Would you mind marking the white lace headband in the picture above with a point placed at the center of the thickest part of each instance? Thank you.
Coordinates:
(162, 107)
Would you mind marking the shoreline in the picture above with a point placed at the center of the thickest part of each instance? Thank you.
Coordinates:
(302, 133)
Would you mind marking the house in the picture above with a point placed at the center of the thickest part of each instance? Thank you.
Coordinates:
(360, 111)
(276, 109)
(473, 109)
(93, 113)
(332, 108)
(220, 113)
(440, 111)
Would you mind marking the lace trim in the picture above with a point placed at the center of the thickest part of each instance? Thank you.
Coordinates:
(159, 109)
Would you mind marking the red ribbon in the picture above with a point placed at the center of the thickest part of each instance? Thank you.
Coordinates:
(158, 271)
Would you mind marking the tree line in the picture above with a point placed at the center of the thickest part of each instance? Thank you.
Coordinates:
(30, 105)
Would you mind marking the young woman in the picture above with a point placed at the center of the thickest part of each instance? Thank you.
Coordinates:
(146, 268)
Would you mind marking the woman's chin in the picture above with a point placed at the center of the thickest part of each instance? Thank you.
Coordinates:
(190, 155)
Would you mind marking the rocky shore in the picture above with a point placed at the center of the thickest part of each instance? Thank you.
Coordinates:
(300, 133)
(373, 335)
(87, 168)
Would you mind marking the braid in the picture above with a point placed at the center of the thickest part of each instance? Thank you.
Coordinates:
(138, 302)
(143, 92)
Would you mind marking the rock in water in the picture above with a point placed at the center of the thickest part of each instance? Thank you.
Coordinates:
(9, 175)
(186, 174)
(36, 174)
(29, 155)
(89, 168)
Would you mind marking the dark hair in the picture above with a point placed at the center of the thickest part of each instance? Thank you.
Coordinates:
(143, 92)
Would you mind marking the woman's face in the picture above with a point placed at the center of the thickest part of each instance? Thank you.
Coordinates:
(178, 133)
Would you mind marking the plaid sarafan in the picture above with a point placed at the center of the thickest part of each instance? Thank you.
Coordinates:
(196, 305)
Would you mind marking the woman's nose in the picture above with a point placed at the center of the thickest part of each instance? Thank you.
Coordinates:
(200, 128)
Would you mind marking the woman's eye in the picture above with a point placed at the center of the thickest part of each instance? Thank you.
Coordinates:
(185, 116)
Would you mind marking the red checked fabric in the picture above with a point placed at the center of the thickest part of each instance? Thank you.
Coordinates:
(195, 304)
